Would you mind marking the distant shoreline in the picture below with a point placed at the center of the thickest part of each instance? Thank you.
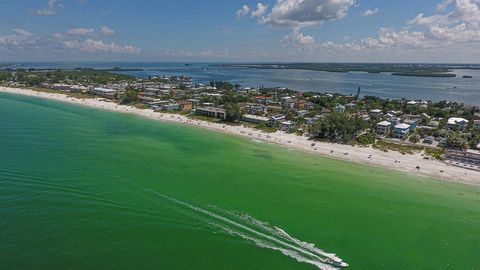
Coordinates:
(411, 70)
(364, 155)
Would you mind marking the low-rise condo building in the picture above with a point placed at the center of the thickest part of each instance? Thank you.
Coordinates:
(212, 112)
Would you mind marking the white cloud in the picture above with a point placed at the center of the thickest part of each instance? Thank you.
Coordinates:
(242, 12)
(21, 36)
(302, 13)
(205, 54)
(429, 20)
(213, 54)
(94, 46)
(104, 30)
(450, 31)
(22, 32)
(466, 11)
(295, 37)
(370, 12)
(443, 5)
(22, 40)
(260, 10)
(91, 45)
(50, 9)
(71, 44)
(80, 31)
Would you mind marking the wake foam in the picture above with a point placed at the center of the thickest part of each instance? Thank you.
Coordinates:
(260, 233)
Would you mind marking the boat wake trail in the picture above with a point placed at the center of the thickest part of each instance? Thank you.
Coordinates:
(260, 233)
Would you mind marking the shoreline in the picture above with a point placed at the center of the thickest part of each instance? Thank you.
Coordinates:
(363, 155)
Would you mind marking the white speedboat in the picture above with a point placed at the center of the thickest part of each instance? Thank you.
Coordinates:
(337, 262)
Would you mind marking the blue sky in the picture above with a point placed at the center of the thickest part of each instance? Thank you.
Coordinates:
(231, 30)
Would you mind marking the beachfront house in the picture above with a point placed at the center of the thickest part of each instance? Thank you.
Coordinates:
(276, 119)
(144, 99)
(401, 131)
(104, 92)
(383, 128)
(186, 105)
(212, 112)
(255, 119)
(286, 125)
(456, 122)
(170, 107)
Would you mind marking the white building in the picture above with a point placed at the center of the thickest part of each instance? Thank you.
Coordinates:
(101, 91)
(401, 131)
(457, 122)
(375, 112)
(254, 119)
(286, 125)
(383, 127)
(276, 119)
(301, 113)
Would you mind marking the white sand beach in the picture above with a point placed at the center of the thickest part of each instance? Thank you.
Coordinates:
(365, 155)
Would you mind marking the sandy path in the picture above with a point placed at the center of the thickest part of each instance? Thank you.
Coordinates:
(364, 155)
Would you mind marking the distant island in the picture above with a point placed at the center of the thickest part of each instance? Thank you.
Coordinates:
(417, 70)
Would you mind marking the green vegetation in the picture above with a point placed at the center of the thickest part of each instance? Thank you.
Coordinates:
(130, 96)
(203, 118)
(265, 128)
(424, 73)
(366, 139)
(69, 94)
(456, 140)
(435, 153)
(338, 127)
(395, 69)
(34, 78)
(230, 104)
(404, 149)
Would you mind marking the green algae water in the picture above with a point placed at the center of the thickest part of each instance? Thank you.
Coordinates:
(89, 189)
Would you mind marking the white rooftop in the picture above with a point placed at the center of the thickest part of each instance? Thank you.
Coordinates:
(251, 116)
(402, 126)
(104, 90)
(456, 120)
(384, 123)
